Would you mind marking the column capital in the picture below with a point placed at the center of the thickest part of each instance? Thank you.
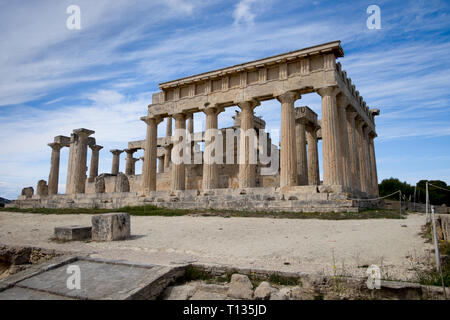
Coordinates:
(83, 131)
(179, 116)
(116, 152)
(212, 109)
(55, 146)
(328, 91)
(251, 104)
(351, 115)
(342, 101)
(312, 128)
(289, 97)
(135, 160)
(147, 119)
(96, 147)
(131, 151)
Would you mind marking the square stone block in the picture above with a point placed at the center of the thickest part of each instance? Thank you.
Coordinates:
(73, 233)
(111, 226)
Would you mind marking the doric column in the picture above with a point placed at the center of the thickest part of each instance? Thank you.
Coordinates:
(115, 161)
(133, 168)
(76, 178)
(313, 156)
(178, 169)
(149, 165)
(129, 161)
(167, 156)
(93, 168)
(53, 178)
(288, 158)
(361, 154)
(168, 126)
(342, 103)
(330, 137)
(247, 177)
(161, 164)
(190, 131)
(374, 165)
(353, 149)
(210, 168)
(302, 162)
(368, 160)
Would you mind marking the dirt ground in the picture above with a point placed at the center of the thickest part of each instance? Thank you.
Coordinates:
(344, 247)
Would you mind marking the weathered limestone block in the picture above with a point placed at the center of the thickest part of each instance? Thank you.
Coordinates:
(264, 291)
(282, 294)
(122, 183)
(111, 226)
(240, 287)
(100, 184)
(73, 233)
(42, 188)
(28, 192)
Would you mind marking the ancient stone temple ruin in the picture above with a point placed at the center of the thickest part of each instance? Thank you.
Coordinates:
(237, 167)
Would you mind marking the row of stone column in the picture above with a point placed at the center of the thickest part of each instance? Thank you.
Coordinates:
(307, 153)
(76, 172)
(348, 147)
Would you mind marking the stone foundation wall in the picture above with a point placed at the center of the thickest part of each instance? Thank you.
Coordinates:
(292, 199)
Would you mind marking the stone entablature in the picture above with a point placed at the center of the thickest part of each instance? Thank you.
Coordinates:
(306, 70)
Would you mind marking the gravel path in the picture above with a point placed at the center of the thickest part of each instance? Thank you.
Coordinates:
(312, 246)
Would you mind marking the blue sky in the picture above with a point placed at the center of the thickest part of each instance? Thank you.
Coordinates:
(53, 80)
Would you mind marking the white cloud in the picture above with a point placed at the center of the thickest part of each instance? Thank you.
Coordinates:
(243, 12)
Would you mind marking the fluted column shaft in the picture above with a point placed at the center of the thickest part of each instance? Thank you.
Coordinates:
(302, 161)
(161, 164)
(149, 164)
(115, 161)
(78, 145)
(210, 168)
(374, 167)
(168, 153)
(190, 130)
(53, 178)
(368, 160)
(330, 137)
(129, 161)
(313, 157)
(247, 177)
(95, 156)
(353, 150)
(133, 168)
(288, 158)
(178, 169)
(343, 134)
(362, 155)
(168, 126)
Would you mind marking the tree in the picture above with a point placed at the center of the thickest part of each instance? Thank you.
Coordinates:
(437, 196)
(391, 185)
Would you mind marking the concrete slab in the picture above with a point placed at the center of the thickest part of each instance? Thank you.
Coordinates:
(99, 279)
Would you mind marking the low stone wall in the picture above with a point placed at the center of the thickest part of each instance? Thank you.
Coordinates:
(292, 199)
